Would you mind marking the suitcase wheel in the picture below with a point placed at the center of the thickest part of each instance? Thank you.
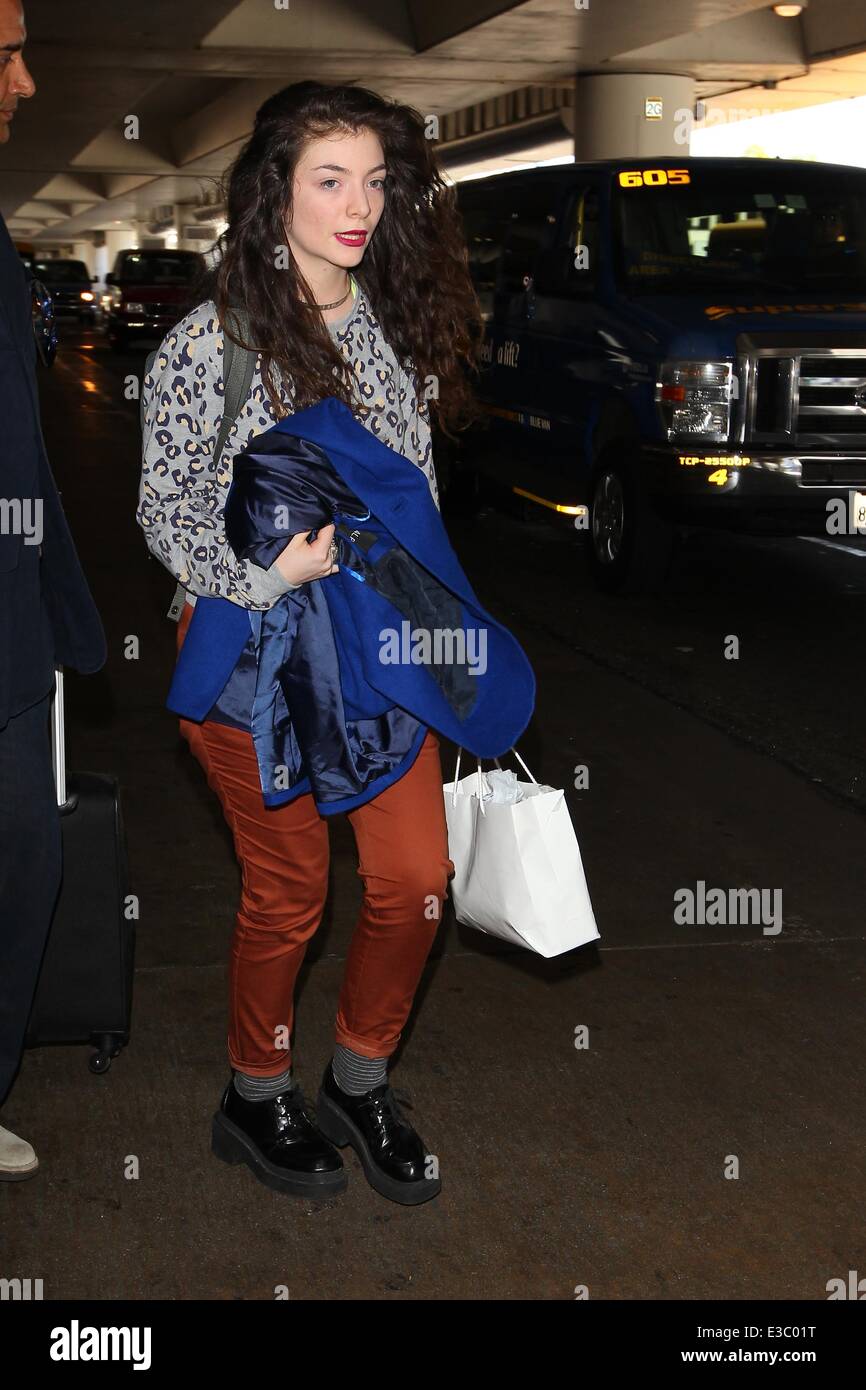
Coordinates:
(107, 1046)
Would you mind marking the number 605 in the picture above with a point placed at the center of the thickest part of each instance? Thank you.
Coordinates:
(652, 178)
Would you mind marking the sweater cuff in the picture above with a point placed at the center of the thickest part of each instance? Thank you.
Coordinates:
(267, 584)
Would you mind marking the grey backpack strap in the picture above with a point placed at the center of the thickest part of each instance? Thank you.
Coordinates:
(239, 364)
(238, 367)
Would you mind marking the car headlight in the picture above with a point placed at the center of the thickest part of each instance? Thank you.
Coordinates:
(695, 399)
(133, 307)
(87, 296)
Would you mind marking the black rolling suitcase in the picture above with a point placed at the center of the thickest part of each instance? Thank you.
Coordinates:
(84, 991)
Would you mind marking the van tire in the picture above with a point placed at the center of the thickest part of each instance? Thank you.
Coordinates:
(630, 545)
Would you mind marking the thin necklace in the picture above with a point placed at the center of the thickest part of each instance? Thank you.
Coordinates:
(338, 302)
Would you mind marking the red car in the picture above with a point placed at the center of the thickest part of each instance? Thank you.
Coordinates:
(150, 291)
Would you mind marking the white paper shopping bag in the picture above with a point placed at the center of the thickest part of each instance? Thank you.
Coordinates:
(518, 873)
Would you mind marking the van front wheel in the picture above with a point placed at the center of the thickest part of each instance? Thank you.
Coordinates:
(630, 544)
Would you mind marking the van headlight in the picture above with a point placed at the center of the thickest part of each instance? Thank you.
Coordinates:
(695, 399)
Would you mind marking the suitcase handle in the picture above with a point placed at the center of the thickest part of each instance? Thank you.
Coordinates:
(58, 745)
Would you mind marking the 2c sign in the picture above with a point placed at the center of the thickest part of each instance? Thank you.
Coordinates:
(652, 178)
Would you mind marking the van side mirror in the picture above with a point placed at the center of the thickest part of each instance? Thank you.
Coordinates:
(515, 272)
(109, 279)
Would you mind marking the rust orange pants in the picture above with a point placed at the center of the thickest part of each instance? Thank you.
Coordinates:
(283, 852)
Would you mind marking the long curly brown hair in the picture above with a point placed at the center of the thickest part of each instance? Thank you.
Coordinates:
(414, 273)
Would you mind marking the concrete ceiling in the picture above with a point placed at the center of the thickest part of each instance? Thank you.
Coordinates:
(195, 71)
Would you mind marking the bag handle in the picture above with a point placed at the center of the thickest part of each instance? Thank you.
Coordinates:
(480, 785)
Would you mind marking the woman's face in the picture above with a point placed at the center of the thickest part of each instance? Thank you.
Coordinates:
(338, 188)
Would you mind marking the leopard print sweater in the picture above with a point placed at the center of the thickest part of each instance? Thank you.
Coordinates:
(182, 496)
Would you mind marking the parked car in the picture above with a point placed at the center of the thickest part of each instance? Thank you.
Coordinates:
(667, 342)
(70, 285)
(149, 292)
(43, 319)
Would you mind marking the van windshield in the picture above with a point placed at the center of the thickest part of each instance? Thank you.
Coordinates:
(767, 229)
(61, 272)
(159, 269)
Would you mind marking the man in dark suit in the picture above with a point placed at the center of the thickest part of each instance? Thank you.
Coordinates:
(47, 615)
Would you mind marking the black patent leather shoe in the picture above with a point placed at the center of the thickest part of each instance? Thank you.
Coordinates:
(279, 1141)
(394, 1158)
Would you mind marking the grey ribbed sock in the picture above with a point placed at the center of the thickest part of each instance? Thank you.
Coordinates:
(263, 1087)
(356, 1074)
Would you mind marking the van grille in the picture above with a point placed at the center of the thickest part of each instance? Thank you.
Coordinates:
(832, 397)
(805, 397)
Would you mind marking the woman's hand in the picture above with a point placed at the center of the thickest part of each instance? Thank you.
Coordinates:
(301, 561)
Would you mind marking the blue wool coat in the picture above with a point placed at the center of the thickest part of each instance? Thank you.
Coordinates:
(342, 677)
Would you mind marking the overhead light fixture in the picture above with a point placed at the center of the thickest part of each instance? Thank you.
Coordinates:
(789, 11)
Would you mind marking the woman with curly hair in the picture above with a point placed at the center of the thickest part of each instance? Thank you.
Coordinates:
(345, 250)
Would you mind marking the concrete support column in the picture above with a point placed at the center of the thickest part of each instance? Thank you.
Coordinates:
(117, 239)
(83, 251)
(611, 119)
(102, 263)
(182, 217)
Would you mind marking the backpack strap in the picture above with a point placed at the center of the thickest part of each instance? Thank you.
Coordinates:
(239, 364)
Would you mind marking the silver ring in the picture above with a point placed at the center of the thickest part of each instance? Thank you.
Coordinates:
(334, 551)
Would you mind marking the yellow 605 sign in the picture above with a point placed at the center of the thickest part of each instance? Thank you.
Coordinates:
(652, 178)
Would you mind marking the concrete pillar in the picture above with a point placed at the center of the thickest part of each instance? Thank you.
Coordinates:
(118, 239)
(173, 237)
(611, 120)
(83, 251)
(101, 262)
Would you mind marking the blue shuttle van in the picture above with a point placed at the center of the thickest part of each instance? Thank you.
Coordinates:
(669, 342)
